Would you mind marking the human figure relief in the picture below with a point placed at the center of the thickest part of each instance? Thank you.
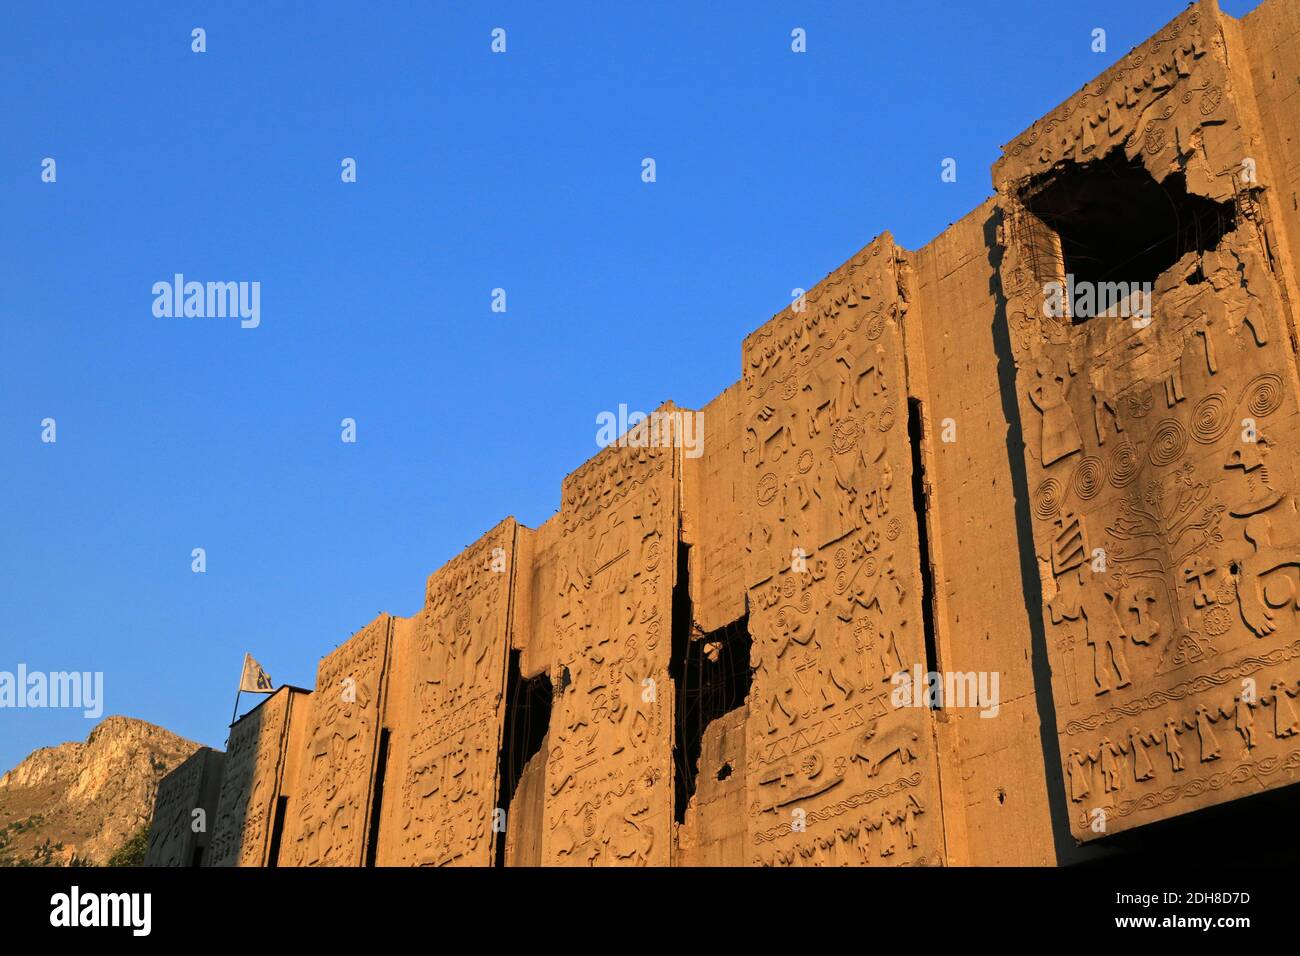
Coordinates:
(1205, 732)
(1060, 432)
(1243, 715)
(836, 662)
(833, 391)
(910, 827)
(1173, 749)
(865, 827)
(1142, 768)
(887, 652)
(1285, 723)
(1110, 754)
(886, 832)
(858, 474)
(786, 627)
(1077, 601)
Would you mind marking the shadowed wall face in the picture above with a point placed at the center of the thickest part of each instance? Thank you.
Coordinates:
(1159, 444)
(185, 806)
(265, 749)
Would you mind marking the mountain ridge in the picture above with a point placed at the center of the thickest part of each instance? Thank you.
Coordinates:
(79, 801)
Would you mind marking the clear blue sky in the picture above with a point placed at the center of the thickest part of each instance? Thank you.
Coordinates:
(475, 171)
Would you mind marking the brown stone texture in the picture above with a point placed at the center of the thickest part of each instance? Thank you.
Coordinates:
(263, 755)
(838, 773)
(524, 826)
(713, 516)
(1162, 458)
(970, 568)
(445, 705)
(187, 800)
(331, 808)
(996, 790)
(80, 802)
(603, 571)
(714, 832)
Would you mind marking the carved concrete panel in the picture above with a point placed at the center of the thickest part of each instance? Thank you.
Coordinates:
(256, 758)
(448, 710)
(183, 811)
(330, 812)
(837, 774)
(603, 577)
(1160, 453)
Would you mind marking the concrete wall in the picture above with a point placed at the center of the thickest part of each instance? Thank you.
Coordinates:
(920, 470)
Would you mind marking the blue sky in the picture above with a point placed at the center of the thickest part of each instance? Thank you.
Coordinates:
(475, 171)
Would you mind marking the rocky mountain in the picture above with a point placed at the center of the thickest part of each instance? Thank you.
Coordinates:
(79, 802)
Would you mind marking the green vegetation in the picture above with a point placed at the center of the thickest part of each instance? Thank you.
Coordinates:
(43, 854)
(131, 853)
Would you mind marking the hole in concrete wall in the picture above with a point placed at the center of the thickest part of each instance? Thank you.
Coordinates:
(724, 771)
(527, 719)
(1117, 224)
(711, 675)
(916, 437)
(377, 805)
(277, 830)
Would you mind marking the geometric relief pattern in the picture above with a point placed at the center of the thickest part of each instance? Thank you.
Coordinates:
(837, 774)
(172, 838)
(1165, 502)
(329, 825)
(606, 566)
(254, 761)
(450, 708)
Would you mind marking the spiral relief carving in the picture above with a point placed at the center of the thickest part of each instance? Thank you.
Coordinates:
(1088, 478)
(785, 611)
(1210, 418)
(1264, 394)
(1168, 443)
(1047, 498)
(1124, 464)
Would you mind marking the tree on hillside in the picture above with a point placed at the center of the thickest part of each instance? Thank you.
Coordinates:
(131, 853)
